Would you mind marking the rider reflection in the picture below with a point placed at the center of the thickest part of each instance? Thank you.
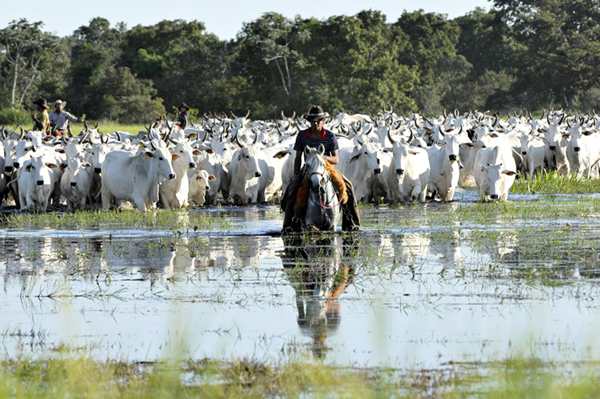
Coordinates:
(320, 270)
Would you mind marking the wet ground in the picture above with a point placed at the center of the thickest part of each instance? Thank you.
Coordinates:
(418, 287)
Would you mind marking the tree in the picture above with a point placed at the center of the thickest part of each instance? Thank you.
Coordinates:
(25, 47)
(562, 39)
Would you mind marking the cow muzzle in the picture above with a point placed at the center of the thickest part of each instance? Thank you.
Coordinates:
(399, 171)
(97, 170)
(552, 148)
(172, 176)
(377, 171)
(452, 157)
(192, 165)
(257, 174)
(577, 149)
(524, 152)
(73, 184)
(40, 182)
(8, 169)
(494, 196)
(16, 165)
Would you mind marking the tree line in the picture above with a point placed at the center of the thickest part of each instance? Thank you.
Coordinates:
(521, 54)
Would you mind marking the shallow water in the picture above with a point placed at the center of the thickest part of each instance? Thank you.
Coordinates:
(405, 292)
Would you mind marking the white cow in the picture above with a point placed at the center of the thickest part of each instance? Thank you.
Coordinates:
(533, 149)
(35, 184)
(135, 177)
(248, 175)
(75, 183)
(173, 193)
(408, 174)
(360, 166)
(444, 165)
(495, 171)
(199, 186)
(583, 150)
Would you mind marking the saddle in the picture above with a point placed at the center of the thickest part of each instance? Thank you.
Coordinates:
(295, 200)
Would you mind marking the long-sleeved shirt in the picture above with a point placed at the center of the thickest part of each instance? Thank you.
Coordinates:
(42, 120)
(61, 120)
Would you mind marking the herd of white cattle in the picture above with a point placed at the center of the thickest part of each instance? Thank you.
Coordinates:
(387, 158)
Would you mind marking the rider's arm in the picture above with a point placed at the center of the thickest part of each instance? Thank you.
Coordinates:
(333, 158)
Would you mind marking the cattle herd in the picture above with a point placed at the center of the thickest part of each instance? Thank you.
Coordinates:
(237, 161)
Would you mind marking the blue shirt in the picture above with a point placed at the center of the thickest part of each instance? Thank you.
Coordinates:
(326, 138)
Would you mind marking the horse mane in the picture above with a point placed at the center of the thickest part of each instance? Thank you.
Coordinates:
(304, 190)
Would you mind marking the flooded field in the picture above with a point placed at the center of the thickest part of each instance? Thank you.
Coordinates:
(421, 286)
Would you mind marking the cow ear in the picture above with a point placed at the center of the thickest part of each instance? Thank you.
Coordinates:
(196, 153)
(86, 165)
(28, 168)
(192, 136)
(51, 165)
(354, 158)
(240, 157)
(174, 157)
(212, 178)
(483, 168)
(149, 154)
(509, 172)
(413, 152)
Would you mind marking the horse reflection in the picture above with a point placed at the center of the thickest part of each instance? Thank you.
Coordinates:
(320, 272)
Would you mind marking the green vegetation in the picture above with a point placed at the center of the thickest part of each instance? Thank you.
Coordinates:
(518, 55)
(72, 376)
(160, 219)
(554, 183)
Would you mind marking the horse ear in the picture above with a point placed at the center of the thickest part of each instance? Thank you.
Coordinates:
(321, 149)
(306, 150)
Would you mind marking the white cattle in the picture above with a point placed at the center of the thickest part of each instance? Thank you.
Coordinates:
(249, 176)
(495, 172)
(135, 177)
(533, 149)
(199, 186)
(75, 183)
(444, 164)
(408, 174)
(359, 166)
(35, 184)
(583, 150)
(173, 193)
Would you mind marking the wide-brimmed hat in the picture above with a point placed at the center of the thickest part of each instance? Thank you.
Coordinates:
(41, 102)
(64, 103)
(316, 113)
(184, 105)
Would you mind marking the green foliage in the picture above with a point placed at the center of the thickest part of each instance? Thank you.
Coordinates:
(9, 117)
(521, 54)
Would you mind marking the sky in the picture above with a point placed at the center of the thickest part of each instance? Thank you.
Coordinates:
(221, 17)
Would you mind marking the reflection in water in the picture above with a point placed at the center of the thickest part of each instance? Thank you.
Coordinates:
(320, 269)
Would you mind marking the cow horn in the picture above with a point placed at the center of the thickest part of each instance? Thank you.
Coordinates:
(456, 113)
(84, 138)
(4, 135)
(118, 136)
(255, 137)
(445, 114)
(441, 131)
(232, 114)
(370, 130)
(102, 138)
(248, 114)
(390, 137)
(412, 135)
(97, 124)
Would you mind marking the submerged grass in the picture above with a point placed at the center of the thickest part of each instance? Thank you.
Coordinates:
(162, 219)
(79, 376)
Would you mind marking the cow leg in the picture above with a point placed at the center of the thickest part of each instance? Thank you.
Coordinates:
(416, 193)
(106, 197)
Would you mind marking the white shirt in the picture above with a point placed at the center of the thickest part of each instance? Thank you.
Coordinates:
(61, 120)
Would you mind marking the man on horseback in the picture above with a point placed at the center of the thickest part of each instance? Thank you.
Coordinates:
(295, 197)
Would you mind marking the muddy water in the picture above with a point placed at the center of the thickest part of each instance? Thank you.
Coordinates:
(405, 292)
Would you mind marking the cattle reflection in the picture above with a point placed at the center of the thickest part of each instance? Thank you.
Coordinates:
(320, 270)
